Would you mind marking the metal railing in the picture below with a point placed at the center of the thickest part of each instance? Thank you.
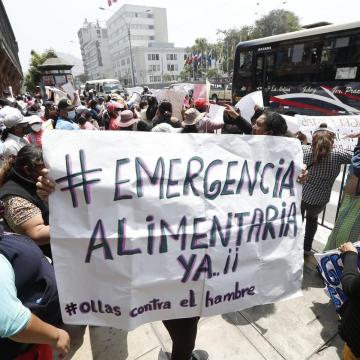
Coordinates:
(343, 178)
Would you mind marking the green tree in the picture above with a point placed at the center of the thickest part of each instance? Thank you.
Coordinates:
(276, 22)
(213, 73)
(227, 44)
(187, 73)
(166, 77)
(33, 77)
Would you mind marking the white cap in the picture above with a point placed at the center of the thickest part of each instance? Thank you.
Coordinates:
(34, 119)
(164, 127)
(4, 111)
(14, 117)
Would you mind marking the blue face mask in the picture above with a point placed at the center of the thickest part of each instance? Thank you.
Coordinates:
(71, 115)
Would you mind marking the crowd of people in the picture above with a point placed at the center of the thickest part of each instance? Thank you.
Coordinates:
(30, 313)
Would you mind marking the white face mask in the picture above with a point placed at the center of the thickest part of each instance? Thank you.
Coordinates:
(36, 127)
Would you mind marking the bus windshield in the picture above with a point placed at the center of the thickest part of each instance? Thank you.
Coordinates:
(110, 86)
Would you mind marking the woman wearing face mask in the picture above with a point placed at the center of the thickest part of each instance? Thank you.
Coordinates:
(35, 135)
(67, 116)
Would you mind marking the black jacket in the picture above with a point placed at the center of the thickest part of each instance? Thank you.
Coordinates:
(350, 323)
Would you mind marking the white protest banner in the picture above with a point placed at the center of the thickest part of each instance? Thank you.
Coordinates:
(70, 90)
(247, 103)
(216, 114)
(331, 269)
(58, 94)
(176, 97)
(342, 125)
(141, 231)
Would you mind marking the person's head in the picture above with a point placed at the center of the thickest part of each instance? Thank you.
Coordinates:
(114, 109)
(143, 104)
(15, 122)
(165, 110)
(50, 110)
(152, 101)
(66, 109)
(35, 123)
(29, 162)
(191, 118)
(92, 104)
(322, 142)
(270, 123)
(34, 109)
(201, 104)
(127, 120)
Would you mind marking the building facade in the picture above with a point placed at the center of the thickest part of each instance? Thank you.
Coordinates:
(143, 31)
(95, 53)
(10, 68)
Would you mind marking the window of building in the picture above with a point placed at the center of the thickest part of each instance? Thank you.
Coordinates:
(171, 56)
(153, 57)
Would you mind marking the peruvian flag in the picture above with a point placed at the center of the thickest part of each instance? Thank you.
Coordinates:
(110, 2)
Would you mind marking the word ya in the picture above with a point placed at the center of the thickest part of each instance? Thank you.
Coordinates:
(233, 178)
(198, 233)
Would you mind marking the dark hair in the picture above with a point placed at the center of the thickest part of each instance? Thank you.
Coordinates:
(190, 129)
(165, 109)
(275, 123)
(29, 155)
(143, 126)
(152, 108)
(143, 104)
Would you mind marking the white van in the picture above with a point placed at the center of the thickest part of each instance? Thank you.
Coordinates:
(103, 86)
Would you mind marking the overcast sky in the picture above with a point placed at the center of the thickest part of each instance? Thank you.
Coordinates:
(43, 24)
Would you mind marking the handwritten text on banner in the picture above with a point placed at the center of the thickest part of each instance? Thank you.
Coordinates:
(149, 227)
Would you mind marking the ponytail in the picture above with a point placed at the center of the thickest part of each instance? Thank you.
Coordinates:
(322, 145)
(4, 134)
(5, 169)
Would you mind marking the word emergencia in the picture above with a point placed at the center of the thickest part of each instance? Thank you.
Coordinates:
(153, 227)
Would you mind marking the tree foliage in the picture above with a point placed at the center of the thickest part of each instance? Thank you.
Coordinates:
(276, 22)
(33, 77)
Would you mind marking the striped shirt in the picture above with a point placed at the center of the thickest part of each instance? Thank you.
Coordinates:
(317, 190)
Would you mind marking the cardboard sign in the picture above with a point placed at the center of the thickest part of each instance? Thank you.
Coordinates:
(153, 226)
(342, 125)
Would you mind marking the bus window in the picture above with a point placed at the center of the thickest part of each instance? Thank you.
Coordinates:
(336, 53)
(245, 64)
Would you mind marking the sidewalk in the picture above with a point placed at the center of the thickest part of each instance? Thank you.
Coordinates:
(302, 328)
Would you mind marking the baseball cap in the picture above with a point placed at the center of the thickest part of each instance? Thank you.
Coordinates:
(113, 106)
(34, 119)
(65, 104)
(14, 117)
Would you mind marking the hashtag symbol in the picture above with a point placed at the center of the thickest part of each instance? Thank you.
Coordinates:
(70, 177)
(71, 309)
